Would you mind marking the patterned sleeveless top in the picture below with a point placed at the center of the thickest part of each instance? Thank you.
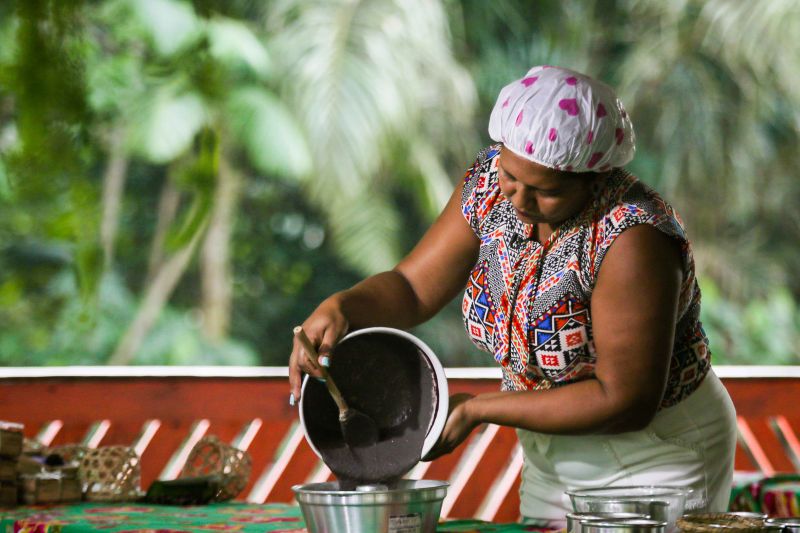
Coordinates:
(528, 303)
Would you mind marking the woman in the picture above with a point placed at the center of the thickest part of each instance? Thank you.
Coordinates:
(580, 281)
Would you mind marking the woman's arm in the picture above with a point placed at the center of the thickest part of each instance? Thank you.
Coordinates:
(634, 313)
(416, 289)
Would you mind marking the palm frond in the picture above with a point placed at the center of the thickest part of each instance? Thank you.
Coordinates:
(165, 123)
(365, 227)
(232, 41)
(268, 132)
(170, 24)
(363, 74)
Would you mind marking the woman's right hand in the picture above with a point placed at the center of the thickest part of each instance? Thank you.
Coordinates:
(324, 328)
(416, 289)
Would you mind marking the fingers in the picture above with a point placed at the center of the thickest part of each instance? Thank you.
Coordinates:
(294, 386)
(433, 454)
(442, 447)
(329, 339)
(306, 361)
(307, 347)
(456, 429)
(295, 375)
(439, 449)
(302, 361)
(323, 329)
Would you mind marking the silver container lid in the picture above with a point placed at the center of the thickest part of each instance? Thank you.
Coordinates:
(406, 491)
(604, 516)
(629, 525)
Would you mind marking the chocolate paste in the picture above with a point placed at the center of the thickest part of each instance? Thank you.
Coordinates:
(390, 380)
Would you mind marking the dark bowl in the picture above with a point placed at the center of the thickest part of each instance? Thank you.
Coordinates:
(395, 379)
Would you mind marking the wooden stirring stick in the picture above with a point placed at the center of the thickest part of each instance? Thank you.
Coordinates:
(358, 429)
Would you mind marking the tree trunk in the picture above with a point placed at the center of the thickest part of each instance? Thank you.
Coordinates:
(113, 187)
(156, 295)
(215, 267)
(167, 208)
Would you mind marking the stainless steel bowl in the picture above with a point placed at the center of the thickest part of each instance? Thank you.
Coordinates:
(630, 525)
(748, 514)
(574, 520)
(412, 506)
(662, 503)
(788, 525)
(655, 509)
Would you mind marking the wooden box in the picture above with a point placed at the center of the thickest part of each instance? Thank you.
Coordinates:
(8, 494)
(51, 486)
(10, 439)
(8, 470)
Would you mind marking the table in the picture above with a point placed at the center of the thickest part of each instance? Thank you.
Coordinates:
(89, 517)
(777, 496)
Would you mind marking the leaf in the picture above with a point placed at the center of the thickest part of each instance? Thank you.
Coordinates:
(366, 231)
(170, 24)
(89, 269)
(193, 222)
(233, 41)
(201, 174)
(5, 182)
(433, 186)
(271, 136)
(163, 128)
(112, 81)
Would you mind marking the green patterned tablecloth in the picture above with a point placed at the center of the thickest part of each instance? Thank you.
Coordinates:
(129, 518)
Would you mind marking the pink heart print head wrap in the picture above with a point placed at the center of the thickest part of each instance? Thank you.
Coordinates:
(564, 120)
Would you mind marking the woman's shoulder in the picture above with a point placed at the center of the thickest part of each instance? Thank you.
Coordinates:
(481, 190)
(629, 202)
(488, 153)
(483, 171)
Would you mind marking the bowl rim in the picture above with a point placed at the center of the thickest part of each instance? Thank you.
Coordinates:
(782, 520)
(601, 515)
(624, 521)
(439, 417)
(665, 490)
(424, 484)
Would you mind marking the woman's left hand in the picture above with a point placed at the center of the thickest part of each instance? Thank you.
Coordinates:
(459, 425)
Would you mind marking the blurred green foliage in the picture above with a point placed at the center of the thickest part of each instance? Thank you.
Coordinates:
(182, 182)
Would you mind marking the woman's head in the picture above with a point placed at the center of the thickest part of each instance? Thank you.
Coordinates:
(540, 194)
(563, 120)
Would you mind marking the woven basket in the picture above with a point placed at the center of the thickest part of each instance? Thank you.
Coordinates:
(210, 456)
(719, 523)
(71, 453)
(110, 474)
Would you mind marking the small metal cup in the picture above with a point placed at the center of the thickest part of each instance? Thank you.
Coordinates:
(574, 520)
(787, 525)
(629, 525)
(655, 509)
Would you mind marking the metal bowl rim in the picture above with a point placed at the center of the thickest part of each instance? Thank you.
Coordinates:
(610, 515)
(666, 490)
(628, 522)
(431, 484)
(784, 521)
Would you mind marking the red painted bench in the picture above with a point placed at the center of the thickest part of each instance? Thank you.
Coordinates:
(163, 411)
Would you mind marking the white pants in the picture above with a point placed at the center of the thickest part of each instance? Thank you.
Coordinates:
(690, 444)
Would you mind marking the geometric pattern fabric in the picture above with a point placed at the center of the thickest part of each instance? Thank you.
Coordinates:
(528, 303)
